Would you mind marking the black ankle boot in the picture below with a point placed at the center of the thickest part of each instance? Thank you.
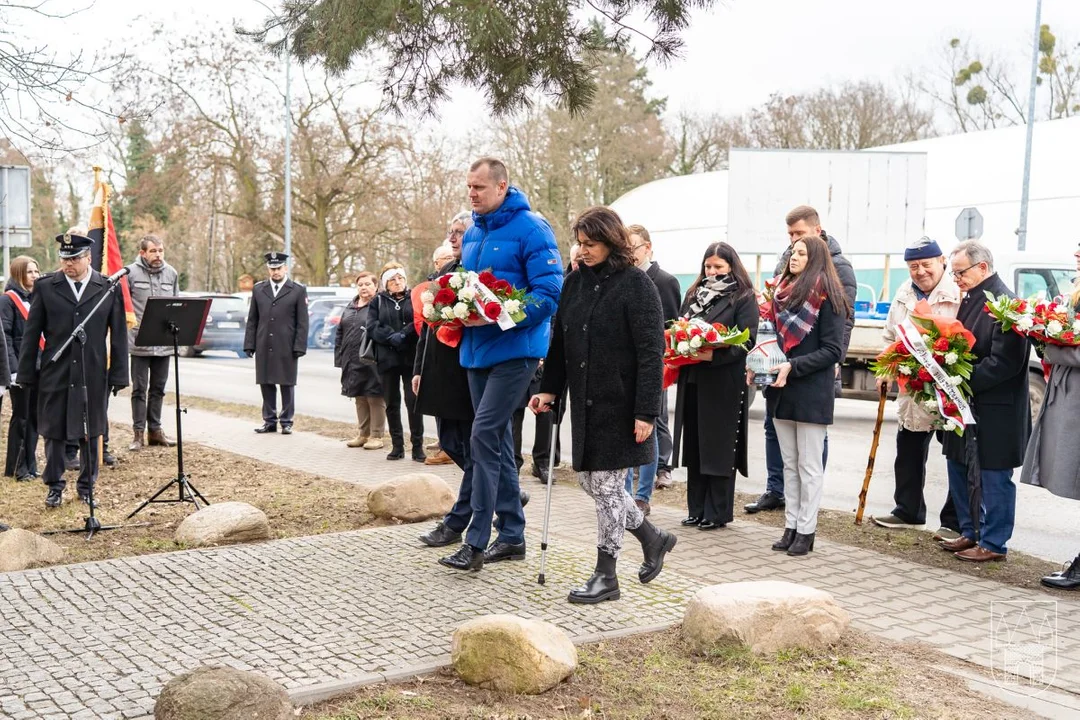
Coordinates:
(655, 544)
(785, 542)
(1068, 579)
(603, 585)
(396, 453)
(802, 544)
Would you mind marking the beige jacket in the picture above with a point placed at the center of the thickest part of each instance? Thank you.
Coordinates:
(944, 300)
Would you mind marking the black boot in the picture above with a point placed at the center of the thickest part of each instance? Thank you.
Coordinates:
(603, 585)
(1069, 579)
(655, 544)
(418, 454)
(785, 542)
(396, 453)
(802, 544)
(107, 457)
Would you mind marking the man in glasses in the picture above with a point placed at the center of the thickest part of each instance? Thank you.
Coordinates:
(999, 402)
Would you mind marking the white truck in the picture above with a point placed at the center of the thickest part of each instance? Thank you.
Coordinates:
(1027, 274)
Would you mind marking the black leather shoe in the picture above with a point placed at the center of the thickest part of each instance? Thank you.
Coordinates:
(801, 545)
(396, 453)
(691, 521)
(54, 499)
(655, 544)
(85, 499)
(709, 525)
(603, 585)
(524, 498)
(466, 558)
(504, 551)
(286, 429)
(266, 428)
(767, 501)
(440, 536)
(540, 472)
(784, 542)
(1068, 579)
(107, 457)
(24, 478)
(418, 454)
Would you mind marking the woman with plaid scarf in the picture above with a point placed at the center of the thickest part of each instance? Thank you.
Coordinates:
(809, 308)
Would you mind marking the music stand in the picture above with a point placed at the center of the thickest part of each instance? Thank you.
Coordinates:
(174, 321)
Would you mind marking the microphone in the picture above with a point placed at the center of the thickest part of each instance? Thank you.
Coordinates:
(115, 277)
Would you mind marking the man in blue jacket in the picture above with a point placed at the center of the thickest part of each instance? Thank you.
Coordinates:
(518, 246)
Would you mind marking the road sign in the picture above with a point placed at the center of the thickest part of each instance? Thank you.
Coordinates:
(969, 224)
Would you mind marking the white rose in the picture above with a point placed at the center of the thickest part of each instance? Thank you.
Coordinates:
(456, 281)
(427, 297)
(905, 370)
(951, 425)
(448, 313)
(951, 358)
(1054, 327)
(1076, 326)
(931, 405)
(927, 340)
(695, 342)
(467, 294)
(512, 306)
(429, 311)
(1025, 323)
(461, 311)
(955, 380)
(683, 348)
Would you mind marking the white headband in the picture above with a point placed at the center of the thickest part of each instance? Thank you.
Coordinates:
(391, 273)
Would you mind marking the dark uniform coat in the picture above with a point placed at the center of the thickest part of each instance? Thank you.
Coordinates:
(277, 331)
(54, 313)
(720, 385)
(999, 386)
(608, 347)
(357, 379)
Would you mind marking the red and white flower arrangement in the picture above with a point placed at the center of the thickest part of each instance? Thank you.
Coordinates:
(1047, 322)
(687, 338)
(465, 295)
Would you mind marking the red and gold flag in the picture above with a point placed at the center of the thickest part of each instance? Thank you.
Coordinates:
(105, 253)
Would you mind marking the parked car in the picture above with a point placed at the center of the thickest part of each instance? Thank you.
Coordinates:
(318, 310)
(328, 334)
(224, 329)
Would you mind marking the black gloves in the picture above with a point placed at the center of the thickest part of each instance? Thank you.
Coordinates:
(115, 389)
(297, 354)
(249, 353)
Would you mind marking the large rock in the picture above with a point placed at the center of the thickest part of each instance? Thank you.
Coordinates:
(223, 523)
(411, 498)
(764, 616)
(22, 549)
(221, 693)
(512, 654)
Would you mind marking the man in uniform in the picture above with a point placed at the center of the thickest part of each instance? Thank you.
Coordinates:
(150, 277)
(277, 332)
(61, 301)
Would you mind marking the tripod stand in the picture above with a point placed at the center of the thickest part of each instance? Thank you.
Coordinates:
(174, 315)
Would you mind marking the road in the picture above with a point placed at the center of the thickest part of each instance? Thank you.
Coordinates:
(1045, 525)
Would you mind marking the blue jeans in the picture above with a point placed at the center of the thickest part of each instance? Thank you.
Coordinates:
(998, 509)
(646, 475)
(496, 392)
(774, 461)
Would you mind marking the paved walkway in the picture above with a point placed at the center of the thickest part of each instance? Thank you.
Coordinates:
(98, 640)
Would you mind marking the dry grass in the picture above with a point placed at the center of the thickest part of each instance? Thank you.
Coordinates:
(655, 676)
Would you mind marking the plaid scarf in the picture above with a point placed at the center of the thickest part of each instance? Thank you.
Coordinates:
(794, 324)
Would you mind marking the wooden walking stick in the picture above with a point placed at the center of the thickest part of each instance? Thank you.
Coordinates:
(873, 453)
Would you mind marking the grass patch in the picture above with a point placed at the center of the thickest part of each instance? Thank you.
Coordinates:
(651, 676)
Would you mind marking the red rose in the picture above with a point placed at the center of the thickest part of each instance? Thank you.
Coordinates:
(942, 345)
(925, 375)
(916, 385)
(487, 278)
(720, 327)
(444, 281)
(1068, 336)
(501, 286)
(712, 336)
(950, 407)
(445, 296)
(695, 331)
(681, 336)
(1021, 306)
(492, 310)
(901, 349)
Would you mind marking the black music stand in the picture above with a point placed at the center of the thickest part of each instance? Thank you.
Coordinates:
(174, 321)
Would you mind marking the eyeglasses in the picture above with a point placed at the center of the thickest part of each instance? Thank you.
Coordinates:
(73, 259)
(959, 273)
(635, 248)
(457, 233)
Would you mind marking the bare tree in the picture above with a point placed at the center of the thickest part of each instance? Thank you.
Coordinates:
(700, 143)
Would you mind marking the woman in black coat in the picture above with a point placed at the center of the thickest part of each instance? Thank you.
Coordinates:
(809, 309)
(608, 347)
(21, 460)
(390, 323)
(711, 404)
(360, 381)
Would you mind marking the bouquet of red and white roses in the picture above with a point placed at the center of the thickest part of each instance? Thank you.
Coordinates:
(687, 338)
(1047, 322)
(451, 299)
(931, 363)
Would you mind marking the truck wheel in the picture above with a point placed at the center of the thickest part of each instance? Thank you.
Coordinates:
(1037, 390)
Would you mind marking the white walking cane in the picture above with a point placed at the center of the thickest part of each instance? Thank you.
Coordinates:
(556, 423)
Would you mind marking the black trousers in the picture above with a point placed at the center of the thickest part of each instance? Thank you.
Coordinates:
(393, 380)
(711, 497)
(55, 450)
(912, 451)
(149, 376)
(269, 407)
(545, 425)
(21, 459)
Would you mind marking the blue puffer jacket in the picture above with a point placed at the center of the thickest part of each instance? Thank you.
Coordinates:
(518, 246)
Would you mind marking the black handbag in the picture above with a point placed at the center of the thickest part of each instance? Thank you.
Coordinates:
(367, 348)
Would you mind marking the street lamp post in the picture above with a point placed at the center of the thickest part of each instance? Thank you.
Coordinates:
(1021, 231)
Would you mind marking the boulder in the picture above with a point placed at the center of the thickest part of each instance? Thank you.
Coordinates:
(764, 616)
(223, 523)
(512, 654)
(411, 498)
(221, 693)
(22, 549)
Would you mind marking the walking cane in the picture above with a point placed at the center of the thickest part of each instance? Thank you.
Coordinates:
(873, 453)
(555, 425)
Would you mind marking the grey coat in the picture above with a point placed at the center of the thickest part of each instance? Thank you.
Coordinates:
(1052, 460)
(145, 283)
